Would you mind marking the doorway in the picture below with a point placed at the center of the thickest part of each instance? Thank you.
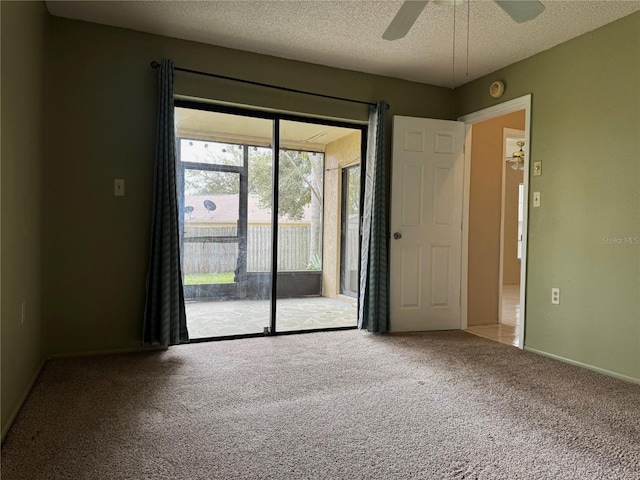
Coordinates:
(484, 235)
(254, 201)
(511, 222)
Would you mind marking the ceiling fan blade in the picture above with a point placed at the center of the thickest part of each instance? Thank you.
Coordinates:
(521, 10)
(404, 19)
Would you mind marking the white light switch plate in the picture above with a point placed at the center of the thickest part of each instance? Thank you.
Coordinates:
(118, 187)
(536, 199)
(537, 168)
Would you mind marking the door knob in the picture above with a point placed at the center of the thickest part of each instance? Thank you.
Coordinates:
(397, 235)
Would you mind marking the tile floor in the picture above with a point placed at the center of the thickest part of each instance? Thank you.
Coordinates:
(507, 330)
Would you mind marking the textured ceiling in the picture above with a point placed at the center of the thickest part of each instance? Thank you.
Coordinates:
(347, 34)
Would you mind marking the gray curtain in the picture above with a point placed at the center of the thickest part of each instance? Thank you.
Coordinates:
(374, 279)
(165, 321)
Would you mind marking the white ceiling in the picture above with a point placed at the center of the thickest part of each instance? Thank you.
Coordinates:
(347, 34)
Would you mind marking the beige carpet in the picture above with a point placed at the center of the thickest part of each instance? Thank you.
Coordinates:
(330, 405)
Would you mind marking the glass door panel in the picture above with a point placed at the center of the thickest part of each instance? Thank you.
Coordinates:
(225, 296)
(211, 203)
(307, 291)
(259, 258)
(350, 231)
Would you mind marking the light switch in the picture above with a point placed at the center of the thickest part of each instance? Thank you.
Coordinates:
(536, 199)
(118, 187)
(537, 168)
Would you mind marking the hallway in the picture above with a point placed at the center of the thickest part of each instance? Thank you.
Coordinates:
(507, 330)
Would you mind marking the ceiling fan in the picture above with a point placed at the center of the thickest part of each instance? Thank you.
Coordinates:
(519, 10)
(517, 159)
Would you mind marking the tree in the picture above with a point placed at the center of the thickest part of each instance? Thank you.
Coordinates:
(300, 180)
(354, 189)
(305, 174)
(207, 182)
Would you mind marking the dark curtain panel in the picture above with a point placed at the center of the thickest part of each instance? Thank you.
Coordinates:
(374, 276)
(165, 320)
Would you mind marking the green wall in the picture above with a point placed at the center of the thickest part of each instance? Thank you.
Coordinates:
(102, 126)
(24, 28)
(586, 131)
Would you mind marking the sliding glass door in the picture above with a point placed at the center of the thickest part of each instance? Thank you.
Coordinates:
(300, 221)
(308, 226)
(226, 238)
(261, 232)
(350, 231)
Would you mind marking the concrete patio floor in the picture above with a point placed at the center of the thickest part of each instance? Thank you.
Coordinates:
(242, 317)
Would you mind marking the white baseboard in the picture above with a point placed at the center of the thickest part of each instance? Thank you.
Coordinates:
(23, 398)
(609, 373)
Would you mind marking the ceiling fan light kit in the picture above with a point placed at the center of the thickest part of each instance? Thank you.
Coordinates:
(517, 159)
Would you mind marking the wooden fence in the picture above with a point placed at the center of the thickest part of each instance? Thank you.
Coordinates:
(217, 257)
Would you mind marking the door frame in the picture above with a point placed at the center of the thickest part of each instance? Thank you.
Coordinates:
(517, 104)
(506, 134)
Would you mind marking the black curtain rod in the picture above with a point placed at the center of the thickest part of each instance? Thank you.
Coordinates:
(155, 64)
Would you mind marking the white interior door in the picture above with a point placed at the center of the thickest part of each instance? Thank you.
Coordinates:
(426, 224)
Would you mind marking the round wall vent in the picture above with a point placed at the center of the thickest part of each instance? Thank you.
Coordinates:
(496, 89)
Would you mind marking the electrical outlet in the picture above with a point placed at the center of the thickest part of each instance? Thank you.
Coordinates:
(23, 312)
(555, 296)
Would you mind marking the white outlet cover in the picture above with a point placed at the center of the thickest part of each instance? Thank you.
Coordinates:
(555, 296)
